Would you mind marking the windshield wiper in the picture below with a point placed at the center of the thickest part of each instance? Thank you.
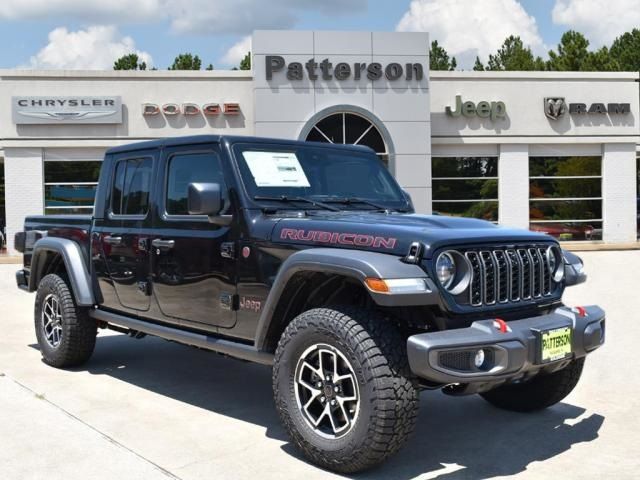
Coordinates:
(350, 200)
(284, 198)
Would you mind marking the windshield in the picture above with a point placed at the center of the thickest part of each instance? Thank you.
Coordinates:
(317, 173)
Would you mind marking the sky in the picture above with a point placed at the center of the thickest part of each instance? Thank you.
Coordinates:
(91, 34)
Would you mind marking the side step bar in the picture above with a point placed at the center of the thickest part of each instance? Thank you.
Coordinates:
(233, 349)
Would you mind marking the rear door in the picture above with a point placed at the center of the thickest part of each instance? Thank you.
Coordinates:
(121, 235)
(193, 260)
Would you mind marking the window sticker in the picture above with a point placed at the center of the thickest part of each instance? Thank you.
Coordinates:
(276, 169)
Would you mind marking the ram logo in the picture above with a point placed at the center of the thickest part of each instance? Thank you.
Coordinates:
(554, 107)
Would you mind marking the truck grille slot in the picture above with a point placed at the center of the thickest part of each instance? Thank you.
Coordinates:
(508, 275)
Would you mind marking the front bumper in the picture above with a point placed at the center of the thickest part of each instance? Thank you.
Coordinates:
(446, 357)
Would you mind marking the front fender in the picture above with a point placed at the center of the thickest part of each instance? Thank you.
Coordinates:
(74, 263)
(349, 263)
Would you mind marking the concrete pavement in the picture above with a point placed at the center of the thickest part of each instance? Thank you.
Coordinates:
(154, 409)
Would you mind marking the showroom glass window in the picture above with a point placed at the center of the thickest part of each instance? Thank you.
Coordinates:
(465, 187)
(566, 197)
(70, 186)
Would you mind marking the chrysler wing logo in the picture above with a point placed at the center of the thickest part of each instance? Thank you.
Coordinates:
(554, 107)
(40, 110)
(68, 115)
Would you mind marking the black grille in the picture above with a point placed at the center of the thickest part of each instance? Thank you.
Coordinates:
(504, 275)
(460, 360)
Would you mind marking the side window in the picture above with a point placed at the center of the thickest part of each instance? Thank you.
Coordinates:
(131, 185)
(190, 168)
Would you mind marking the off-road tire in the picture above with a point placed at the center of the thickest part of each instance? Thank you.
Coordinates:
(540, 392)
(388, 404)
(78, 330)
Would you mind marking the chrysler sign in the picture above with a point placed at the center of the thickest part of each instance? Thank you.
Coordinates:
(66, 110)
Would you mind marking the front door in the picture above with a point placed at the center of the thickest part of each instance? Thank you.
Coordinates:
(193, 261)
(121, 235)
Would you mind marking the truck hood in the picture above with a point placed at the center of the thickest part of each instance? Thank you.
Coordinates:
(394, 233)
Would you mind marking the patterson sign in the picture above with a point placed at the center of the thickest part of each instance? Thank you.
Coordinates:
(66, 110)
(326, 70)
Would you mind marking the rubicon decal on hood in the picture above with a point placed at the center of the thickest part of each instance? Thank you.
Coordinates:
(337, 238)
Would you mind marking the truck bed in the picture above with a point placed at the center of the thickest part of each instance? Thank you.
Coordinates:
(73, 227)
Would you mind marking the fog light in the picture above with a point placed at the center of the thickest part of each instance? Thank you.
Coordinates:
(478, 360)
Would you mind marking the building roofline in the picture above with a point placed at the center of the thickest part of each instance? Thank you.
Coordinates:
(572, 76)
(127, 74)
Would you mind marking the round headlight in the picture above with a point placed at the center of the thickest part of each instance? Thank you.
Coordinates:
(445, 269)
(556, 263)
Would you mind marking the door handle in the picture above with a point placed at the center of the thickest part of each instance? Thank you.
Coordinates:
(159, 243)
(112, 240)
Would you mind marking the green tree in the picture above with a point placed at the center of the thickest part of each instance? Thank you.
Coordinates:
(129, 62)
(513, 55)
(245, 63)
(439, 58)
(572, 53)
(600, 61)
(186, 61)
(478, 66)
(209, 67)
(626, 51)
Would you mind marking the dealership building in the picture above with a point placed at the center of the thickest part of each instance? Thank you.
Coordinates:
(550, 151)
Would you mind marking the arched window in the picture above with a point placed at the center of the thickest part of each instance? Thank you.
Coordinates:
(349, 128)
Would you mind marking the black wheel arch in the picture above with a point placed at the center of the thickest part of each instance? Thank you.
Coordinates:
(316, 277)
(62, 256)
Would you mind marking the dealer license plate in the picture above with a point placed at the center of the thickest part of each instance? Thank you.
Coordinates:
(555, 344)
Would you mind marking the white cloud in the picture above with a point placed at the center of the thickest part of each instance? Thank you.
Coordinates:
(185, 16)
(237, 52)
(466, 28)
(95, 48)
(95, 10)
(600, 20)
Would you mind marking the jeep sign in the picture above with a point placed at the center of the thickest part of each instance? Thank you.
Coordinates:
(492, 110)
(66, 110)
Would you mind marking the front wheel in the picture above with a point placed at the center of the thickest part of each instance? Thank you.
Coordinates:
(540, 392)
(343, 388)
(65, 332)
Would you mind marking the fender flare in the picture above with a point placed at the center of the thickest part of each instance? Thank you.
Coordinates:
(349, 263)
(74, 263)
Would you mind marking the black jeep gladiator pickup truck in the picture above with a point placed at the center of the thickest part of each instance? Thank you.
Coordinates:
(309, 257)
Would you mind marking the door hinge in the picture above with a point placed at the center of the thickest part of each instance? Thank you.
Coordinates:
(228, 250)
(229, 301)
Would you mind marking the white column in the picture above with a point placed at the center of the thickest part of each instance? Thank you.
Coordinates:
(619, 193)
(24, 188)
(513, 185)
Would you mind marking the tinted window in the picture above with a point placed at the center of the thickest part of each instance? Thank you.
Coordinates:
(191, 168)
(131, 187)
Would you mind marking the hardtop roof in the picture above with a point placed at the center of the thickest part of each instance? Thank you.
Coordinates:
(222, 139)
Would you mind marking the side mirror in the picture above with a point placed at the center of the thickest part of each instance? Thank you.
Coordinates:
(204, 199)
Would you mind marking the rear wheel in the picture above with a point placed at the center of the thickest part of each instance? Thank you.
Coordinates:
(343, 388)
(540, 392)
(65, 332)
